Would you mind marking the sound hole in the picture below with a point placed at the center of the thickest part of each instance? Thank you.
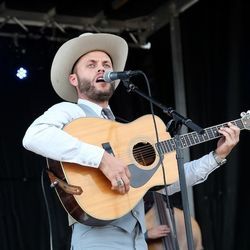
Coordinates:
(144, 153)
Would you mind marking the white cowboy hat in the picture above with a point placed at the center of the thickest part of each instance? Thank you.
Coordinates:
(66, 56)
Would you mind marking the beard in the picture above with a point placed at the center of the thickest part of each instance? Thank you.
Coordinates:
(89, 90)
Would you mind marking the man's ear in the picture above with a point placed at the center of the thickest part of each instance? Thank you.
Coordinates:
(73, 80)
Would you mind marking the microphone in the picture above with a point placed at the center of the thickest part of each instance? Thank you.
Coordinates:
(110, 76)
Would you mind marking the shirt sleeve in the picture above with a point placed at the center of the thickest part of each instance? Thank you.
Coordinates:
(46, 137)
(196, 171)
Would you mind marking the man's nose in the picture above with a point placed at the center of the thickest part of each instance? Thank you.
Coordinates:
(101, 69)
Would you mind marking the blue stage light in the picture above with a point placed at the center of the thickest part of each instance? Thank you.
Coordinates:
(22, 73)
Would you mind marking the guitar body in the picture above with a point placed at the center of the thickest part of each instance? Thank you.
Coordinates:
(133, 143)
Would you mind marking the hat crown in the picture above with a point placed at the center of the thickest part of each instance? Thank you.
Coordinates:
(86, 34)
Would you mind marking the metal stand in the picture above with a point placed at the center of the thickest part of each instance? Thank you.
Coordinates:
(179, 121)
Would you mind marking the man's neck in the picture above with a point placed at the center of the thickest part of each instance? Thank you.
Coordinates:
(103, 104)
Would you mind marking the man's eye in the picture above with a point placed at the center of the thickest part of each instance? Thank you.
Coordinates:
(107, 66)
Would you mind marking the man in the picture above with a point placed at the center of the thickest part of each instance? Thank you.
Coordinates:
(77, 77)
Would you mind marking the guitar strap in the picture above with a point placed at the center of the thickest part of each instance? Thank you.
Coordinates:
(59, 182)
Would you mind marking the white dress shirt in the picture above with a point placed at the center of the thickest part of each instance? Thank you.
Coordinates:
(46, 137)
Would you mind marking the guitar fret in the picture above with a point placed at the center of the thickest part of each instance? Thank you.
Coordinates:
(205, 135)
(183, 141)
(181, 144)
(187, 140)
(215, 131)
(239, 123)
(201, 138)
(209, 133)
(218, 134)
(191, 139)
(167, 146)
(235, 123)
(170, 146)
(164, 147)
(196, 139)
(159, 148)
(173, 144)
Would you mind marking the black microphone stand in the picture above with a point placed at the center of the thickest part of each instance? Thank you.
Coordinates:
(179, 120)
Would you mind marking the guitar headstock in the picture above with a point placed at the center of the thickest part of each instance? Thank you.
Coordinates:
(246, 119)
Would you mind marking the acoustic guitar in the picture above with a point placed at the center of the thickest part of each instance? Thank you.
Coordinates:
(85, 192)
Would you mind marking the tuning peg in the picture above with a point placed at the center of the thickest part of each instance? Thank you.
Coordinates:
(242, 114)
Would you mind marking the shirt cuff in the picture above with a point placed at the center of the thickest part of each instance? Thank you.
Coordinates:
(196, 171)
(93, 158)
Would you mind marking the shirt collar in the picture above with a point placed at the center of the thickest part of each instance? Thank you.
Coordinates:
(94, 106)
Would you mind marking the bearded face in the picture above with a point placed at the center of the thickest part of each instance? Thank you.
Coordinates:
(91, 92)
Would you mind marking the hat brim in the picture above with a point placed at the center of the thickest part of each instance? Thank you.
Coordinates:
(66, 56)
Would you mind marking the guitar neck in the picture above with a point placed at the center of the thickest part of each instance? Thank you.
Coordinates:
(193, 138)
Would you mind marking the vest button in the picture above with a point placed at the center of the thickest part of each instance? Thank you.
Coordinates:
(135, 213)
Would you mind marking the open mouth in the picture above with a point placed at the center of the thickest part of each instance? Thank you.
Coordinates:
(100, 79)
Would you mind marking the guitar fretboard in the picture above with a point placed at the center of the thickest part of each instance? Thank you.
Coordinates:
(193, 138)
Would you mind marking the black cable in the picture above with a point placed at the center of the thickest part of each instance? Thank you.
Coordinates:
(48, 211)
(162, 164)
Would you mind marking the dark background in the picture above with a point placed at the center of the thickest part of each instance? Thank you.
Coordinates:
(215, 42)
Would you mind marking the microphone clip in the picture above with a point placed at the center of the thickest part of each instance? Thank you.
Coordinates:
(128, 85)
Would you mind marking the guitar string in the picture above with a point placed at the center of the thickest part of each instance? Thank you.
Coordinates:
(149, 151)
